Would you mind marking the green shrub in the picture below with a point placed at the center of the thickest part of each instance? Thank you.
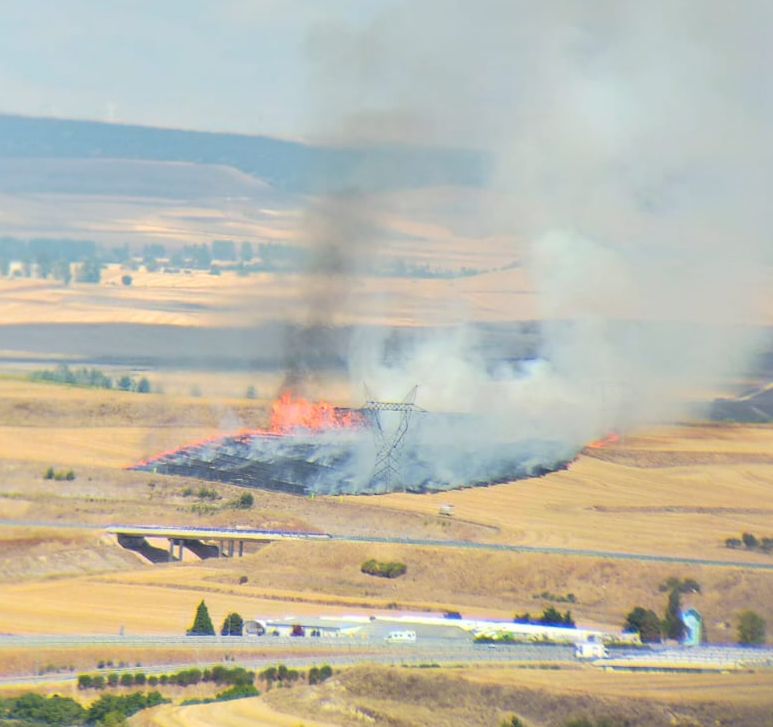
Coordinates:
(751, 628)
(238, 691)
(383, 570)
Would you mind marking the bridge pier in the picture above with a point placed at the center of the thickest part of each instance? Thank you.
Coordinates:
(241, 548)
(230, 548)
(171, 549)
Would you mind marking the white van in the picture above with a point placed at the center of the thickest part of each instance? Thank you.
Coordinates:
(400, 637)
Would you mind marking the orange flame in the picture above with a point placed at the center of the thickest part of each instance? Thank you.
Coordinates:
(289, 413)
(611, 438)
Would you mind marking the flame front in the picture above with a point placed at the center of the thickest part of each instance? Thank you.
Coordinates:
(612, 438)
(289, 413)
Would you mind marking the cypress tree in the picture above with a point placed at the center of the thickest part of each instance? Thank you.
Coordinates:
(202, 623)
(672, 623)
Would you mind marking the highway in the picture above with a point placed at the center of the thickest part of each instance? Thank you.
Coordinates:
(544, 550)
(425, 542)
(293, 652)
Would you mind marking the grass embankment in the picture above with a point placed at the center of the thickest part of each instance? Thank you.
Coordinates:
(482, 697)
(325, 578)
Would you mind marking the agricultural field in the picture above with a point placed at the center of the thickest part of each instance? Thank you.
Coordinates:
(676, 491)
(482, 697)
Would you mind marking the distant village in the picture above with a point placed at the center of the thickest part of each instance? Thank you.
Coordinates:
(82, 261)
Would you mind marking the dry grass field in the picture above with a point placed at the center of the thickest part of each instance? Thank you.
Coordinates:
(242, 713)
(685, 509)
(312, 579)
(199, 299)
(542, 698)
(636, 505)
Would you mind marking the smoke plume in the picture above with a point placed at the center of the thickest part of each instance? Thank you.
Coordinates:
(631, 153)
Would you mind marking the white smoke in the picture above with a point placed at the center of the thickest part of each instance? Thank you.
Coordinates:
(631, 145)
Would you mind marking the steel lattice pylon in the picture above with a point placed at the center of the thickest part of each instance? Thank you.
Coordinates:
(388, 448)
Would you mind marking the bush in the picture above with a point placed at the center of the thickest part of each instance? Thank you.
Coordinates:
(125, 705)
(49, 474)
(244, 501)
(682, 585)
(550, 617)
(644, 622)
(733, 542)
(751, 628)
(36, 709)
(750, 541)
(279, 674)
(85, 681)
(383, 570)
(238, 691)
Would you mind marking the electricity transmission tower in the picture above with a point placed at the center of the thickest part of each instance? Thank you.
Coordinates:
(389, 446)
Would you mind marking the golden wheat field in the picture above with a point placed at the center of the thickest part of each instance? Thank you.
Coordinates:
(687, 509)
(252, 712)
(199, 299)
(623, 498)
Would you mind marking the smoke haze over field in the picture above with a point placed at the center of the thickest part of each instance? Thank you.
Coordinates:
(632, 154)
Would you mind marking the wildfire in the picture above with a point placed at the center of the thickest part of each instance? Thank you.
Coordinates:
(611, 438)
(289, 413)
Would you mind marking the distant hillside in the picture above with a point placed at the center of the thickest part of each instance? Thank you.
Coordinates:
(287, 165)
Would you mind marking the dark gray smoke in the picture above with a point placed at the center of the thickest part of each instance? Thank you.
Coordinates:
(632, 153)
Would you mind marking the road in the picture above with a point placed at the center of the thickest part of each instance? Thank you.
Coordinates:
(293, 652)
(496, 547)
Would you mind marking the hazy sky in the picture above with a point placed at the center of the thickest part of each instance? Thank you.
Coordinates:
(234, 65)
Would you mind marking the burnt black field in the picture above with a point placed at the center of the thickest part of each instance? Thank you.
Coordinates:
(345, 461)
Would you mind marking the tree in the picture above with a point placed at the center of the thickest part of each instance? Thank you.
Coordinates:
(90, 271)
(125, 383)
(673, 627)
(251, 393)
(224, 250)
(233, 625)
(246, 252)
(644, 622)
(126, 280)
(750, 541)
(143, 386)
(751, 628)
(62, 271)
(202, 623)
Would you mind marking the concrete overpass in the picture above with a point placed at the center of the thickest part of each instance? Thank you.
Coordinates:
(204, 542)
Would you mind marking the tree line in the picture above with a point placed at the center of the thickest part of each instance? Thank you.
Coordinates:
(109, 710)
(91, 378)
(653, 629)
